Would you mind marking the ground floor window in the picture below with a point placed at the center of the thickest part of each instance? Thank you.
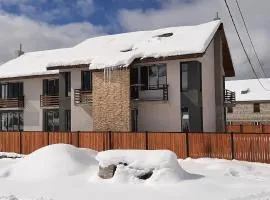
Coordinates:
(51, 120)
(11, 121)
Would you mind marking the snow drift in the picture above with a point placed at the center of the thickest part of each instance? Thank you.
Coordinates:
(135, 166)
(52, 161)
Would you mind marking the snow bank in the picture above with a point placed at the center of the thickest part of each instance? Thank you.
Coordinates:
(161, 164)
(52, 161)
(10, 155)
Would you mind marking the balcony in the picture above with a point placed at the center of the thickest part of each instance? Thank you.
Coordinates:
(17, 102)
(49, 101)
(229, 98)
(82, 97)
(152, 93)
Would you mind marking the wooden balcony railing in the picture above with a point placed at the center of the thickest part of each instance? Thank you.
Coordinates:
(17, 102)
(136, 88)
(82, 97)
(49, 101)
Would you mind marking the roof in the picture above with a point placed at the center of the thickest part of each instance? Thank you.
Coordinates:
(119, 50)
(250, 89)
(31, 64)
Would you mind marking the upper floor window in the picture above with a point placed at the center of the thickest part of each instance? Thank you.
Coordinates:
(11, 121)
(86, 80)
(67, 84)
(11, 90)
(256, 107)
(153, 76)
(51, 87)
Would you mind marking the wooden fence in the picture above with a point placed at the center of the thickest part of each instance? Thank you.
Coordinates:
(240, 146)
(248, 128)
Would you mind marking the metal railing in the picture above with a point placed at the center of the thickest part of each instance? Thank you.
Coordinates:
(137, 88)
(229, 98)
(82, 96)
(17, 102)
(49, 101)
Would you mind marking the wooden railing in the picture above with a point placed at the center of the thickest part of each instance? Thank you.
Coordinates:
(82, 97)
(229, 98)
(17, 102)
(49, 101)
(136, 88)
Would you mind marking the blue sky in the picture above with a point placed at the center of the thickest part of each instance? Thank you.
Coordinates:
(49, 24)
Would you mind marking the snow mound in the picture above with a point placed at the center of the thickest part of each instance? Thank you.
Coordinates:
(149, 166)
(52, 161)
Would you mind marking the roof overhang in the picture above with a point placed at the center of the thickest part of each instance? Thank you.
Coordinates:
(29, 77)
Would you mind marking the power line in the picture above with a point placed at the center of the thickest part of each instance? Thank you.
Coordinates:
(252, 44)
(242, 44)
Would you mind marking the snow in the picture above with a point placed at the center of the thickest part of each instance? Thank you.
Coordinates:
(217, 179)
(10, 155)
(48, 163)
(115, 50)
(254, 90)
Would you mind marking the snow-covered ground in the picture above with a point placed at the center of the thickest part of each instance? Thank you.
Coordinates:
(63, 172)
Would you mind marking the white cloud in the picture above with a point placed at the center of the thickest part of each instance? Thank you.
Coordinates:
(35, 35)
(179, 12)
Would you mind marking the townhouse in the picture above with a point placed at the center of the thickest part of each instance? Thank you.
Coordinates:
(168, 79)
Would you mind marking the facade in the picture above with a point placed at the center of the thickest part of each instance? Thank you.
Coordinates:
(182, 92)
(252, 102)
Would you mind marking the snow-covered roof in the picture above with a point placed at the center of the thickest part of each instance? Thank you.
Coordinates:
(31, 64)
(122, 49)
(250, 89)
(116, 50)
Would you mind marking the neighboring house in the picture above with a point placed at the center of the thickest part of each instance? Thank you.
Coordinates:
(169, 79)
(252, 102)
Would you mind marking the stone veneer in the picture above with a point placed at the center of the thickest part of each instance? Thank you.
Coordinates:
(243, 112)
(111, 101)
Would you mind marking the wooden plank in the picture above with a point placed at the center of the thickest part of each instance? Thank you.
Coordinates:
(121, 140)
(98, 141)
(32, 141)
(10, 142)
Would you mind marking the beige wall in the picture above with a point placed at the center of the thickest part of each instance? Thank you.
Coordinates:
(243, 112)
(166, 116)
(111, 101)
(81, 115)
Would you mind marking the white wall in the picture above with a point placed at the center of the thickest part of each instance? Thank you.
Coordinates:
(81, 115)
(166, 116)
(33, 114)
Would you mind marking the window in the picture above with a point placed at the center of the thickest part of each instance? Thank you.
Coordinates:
(86, 81)
(184, 77)
(185, 119)
(230, 109)
(153, 76)
(134, 119)
(68, 120)
(51, 87)
(11, 121)
(256, 123)
(256, 107)
(11, 90)
(67, 84)
(51, 120)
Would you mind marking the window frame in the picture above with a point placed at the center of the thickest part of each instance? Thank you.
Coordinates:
(12, 113)
(147, 85)
(83, 83)
(229, 109)
(67, 84)
(11, 90)
(256, 108)
(45, 120)
(46, 88)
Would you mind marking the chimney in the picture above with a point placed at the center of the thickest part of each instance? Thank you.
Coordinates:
(20, 51)
(217, 17)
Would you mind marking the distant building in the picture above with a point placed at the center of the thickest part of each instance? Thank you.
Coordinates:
(252, 102)
(169, 79)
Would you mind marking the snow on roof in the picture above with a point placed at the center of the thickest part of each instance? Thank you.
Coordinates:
(115, 50)
(122, 49)
(31, 64)
(250, 89)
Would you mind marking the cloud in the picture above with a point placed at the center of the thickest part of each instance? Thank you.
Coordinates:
(188, 12)
(36, 35)
(53, 11)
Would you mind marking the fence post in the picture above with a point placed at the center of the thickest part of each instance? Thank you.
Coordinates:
(241, 128)
(146, 140)
(21, 143)
(232, 145)
(263, 131)
(187, 145)
(110, 140)
(78, 138)
(48, 138)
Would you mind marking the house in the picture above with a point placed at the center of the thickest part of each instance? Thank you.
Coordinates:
(168, 79)
(252, 102)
